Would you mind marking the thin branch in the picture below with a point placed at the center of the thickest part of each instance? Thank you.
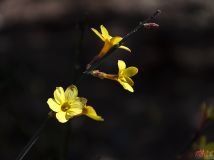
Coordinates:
(33, 140)
(139, 26)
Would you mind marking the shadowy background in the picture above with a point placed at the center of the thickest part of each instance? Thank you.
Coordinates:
(39, 41)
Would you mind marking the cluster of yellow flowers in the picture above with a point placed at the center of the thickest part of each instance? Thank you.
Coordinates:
(66, 104)
(124, 74)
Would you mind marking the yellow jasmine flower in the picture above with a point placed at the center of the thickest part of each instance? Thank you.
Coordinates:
(66, 104)
(123, 76)
(108, 40)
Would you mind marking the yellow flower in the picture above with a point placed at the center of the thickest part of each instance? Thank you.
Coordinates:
(124, 75)
(67, 105)
(108, 40)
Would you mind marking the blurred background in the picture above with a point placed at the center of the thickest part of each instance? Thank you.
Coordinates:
(47, 43)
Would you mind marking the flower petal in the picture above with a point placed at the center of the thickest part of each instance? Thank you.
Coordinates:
(98, 34)
(129, 81)
(130, 71)
(115, 40)
(90, 112)
(125, 48)
(59, 95)
(104, 32)
(78, 101)
(107, 46)
(71, 92)
(121, 65)
(83, 100)
(126, 86)
(61, 116)
(76, 106)
(74, 111)
(53, 105)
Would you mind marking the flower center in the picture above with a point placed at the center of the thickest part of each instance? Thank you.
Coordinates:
(65, 107)
(122, 78)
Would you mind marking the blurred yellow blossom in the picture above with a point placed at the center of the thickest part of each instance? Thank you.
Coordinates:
(203, 144)
(207, 111)
(123, 76)
(108, 40)
(67, 105)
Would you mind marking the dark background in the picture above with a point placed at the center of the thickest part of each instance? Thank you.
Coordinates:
(39, 41)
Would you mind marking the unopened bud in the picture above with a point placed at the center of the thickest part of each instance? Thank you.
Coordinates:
(151, 25)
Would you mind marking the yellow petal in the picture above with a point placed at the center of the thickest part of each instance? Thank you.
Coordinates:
(83, 100)
(61, 116)
(126, 86)
(107, 46)
(71, 92)
(129, 81)
(76, 106)
(78, 101)
(104, 32)
(125, 48)
(130, 71)
(90, 112)
(59, 95)
(73, 112)
(115, 40)
(98, 34)
(121, 65)
(53, 105)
